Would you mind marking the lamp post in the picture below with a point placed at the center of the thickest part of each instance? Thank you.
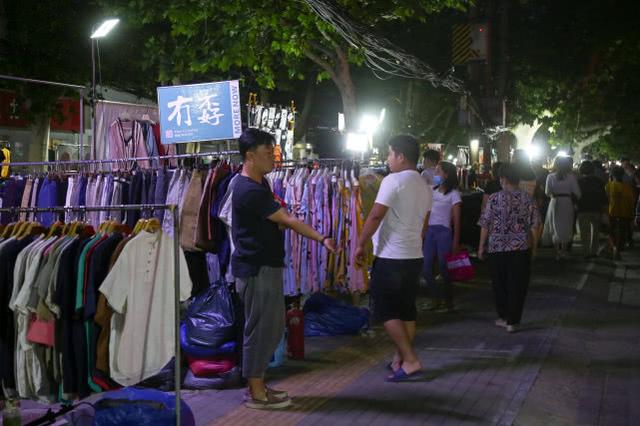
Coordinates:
(102, 31)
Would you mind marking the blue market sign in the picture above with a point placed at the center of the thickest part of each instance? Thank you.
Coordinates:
(200, 112)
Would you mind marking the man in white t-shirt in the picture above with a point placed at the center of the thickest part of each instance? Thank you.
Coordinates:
(396, 225)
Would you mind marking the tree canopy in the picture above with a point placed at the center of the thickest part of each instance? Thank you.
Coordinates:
(575, 66)
(270, 44)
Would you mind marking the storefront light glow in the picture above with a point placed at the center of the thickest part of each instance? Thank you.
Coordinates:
(450, 157)
(562, 154)
(474, 144)
(534, 151)
(357, 141)
(105, 28)
(369, 124)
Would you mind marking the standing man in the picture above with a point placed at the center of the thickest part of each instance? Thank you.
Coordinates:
(397, 223)
(430, 160)
(258, 262)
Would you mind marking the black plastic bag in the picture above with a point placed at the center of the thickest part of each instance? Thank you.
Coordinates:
(210, 317)
(326, 316)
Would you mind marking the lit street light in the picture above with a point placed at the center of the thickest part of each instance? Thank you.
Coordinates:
(102, 31)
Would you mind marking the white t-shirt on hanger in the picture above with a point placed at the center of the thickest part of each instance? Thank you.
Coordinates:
(409, 199)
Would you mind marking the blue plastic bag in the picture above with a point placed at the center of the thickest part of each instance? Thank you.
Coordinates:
(136, 407)
(228, 348)
(278, 356)
(326, 316)
(210, 318)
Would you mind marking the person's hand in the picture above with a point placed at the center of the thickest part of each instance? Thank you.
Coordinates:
(330, 244)
(359, 257)
(481, 253)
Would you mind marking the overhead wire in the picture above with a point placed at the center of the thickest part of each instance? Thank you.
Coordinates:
(385, 59)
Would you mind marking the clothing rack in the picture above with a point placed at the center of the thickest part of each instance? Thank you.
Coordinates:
(123, 160)
(176, 265)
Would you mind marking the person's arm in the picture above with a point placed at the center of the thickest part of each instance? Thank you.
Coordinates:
(370, 227)
(425, 226)
(484, 234)
(456, 213)
(282, 217)
(485, 198)
(547, 188)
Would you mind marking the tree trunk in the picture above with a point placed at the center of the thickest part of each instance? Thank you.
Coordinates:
(347, 91)
(302, 121)
(40, 130)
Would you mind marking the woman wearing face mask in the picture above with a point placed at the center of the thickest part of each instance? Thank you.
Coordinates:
(440, 240)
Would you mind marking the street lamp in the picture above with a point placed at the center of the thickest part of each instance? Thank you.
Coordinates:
(102, 31)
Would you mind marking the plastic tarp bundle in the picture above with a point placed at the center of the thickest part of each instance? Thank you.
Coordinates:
(228, 348)
(226, 380)
(164, 380)
(326, 316)
(134, 407)
(208, 367)
(210, 319)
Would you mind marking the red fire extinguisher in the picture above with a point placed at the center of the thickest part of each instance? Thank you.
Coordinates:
(295, 335)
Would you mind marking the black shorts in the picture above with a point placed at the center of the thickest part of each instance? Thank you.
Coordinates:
(394, 288)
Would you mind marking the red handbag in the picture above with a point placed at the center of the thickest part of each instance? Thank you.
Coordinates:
(41, 331)
(459, 267)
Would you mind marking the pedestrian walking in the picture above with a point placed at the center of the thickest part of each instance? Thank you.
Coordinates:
(440, 240)
(508, 235)
(396, 225)
(528, 181)
(621, 205)
(430, 160)
(257, 263)
(562, 187)
(591, 206)
(493, 185)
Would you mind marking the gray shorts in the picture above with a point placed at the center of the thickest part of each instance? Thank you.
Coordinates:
(262, 298)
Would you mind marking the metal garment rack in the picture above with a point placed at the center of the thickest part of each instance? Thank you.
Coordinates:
(81, 89)
(123, 160)
(173, 208)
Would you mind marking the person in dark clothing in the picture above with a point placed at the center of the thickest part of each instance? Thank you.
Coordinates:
(508, 226)
(493, 185)
(590, 208)
(258, 262)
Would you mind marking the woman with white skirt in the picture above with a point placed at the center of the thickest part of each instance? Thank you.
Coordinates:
(562, 187)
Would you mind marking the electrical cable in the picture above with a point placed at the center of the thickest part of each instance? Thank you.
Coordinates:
(383, 58)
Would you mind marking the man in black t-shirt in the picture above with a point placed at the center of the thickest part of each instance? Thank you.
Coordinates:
(258, 261)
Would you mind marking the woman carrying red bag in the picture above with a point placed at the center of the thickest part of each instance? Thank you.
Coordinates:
(508, 223)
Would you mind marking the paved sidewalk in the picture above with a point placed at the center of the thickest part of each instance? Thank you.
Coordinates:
(576, 361)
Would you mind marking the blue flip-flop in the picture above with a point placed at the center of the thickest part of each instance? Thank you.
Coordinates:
(401, 376)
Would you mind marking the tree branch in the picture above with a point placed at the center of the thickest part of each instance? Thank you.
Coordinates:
(326, 66)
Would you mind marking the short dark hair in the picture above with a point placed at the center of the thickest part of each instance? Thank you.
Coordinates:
(618, 173)
(432, 155)
(451, 181)
(406, 145)
(252, 139)
(510, 172)
(587, 168)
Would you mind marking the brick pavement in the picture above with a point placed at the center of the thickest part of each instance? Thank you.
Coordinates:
(477, 374)
(576, 361)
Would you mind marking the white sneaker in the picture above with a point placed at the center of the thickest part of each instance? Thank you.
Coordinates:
(501, 323)
(512, 328)
(270, 403)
